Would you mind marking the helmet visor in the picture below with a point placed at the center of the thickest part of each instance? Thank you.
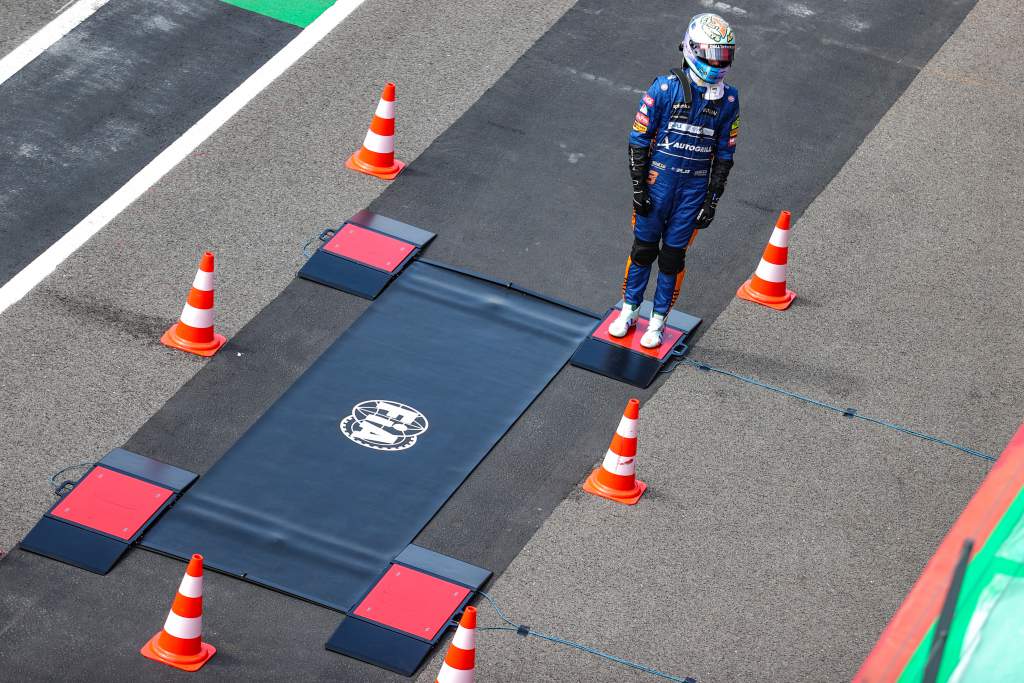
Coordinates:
(714, 54)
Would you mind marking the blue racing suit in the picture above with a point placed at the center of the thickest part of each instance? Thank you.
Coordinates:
(689, 135)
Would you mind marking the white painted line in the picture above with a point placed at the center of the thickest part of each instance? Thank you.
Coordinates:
(44, 264)
(47, 36)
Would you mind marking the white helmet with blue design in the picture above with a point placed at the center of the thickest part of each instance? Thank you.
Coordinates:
(708, 47)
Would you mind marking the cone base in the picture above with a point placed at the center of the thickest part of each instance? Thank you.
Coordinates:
(779, 303)
(152, 650)
(382, 172)
(205, 349)
(592, 485)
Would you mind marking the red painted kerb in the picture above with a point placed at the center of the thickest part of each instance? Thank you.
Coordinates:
(921, 607)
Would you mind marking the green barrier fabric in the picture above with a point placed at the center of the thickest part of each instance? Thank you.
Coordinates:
(988, 627)
(301, 13)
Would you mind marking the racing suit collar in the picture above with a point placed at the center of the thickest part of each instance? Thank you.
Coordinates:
(711, 91)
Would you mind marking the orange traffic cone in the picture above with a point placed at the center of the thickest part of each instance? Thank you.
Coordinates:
(767, 286)
(616, 478)
(460, 662)
(180, 643)
(194, 332)
(377, 155)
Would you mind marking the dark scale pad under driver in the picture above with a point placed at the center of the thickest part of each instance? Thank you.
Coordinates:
(624, 358)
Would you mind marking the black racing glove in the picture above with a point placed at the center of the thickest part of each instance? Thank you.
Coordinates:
(706, 214)
(716, 188)
(639, 159)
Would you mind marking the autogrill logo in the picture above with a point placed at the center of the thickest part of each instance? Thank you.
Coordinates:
(702, 149)
(384, 425)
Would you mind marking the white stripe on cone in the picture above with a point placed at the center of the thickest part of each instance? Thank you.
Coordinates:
(780, 238)
(771, 272)
(449, 674)
(385, 109)
(183, 627)
(617, 464)
(628, 428)
(465, 638)
(191, 586)
(197, 317)
(203, 281)
(383, 144)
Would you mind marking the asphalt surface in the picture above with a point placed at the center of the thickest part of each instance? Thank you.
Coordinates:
(775, 536)
(85, 116)
(531, 168)
(81, 368)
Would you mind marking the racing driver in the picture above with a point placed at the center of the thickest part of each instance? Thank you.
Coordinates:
(680, 153)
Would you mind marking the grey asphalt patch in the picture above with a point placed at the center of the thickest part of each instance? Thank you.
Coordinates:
(84, 117)
(81, 368)
(765, 537)
(777, 537)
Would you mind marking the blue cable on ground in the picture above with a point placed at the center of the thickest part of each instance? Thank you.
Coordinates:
(526, 631)
(63, 486)
(323, 236)
(848, 412)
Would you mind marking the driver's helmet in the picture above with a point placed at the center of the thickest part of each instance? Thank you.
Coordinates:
(708, 47)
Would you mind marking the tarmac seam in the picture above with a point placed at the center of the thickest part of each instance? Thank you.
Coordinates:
(848, 412)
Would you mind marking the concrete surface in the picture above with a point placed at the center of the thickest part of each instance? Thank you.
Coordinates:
(776, 538)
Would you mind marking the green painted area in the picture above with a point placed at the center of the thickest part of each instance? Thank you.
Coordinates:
(301, 13)
(988, 626)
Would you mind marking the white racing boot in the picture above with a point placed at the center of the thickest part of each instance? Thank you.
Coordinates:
(652, 337)
(627, 318)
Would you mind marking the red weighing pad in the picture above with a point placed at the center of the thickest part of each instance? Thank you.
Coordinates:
(369, 247)
(669, 337)
(411, 601)
(111, 502)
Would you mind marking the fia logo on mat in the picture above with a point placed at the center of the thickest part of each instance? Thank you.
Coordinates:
(384, 425)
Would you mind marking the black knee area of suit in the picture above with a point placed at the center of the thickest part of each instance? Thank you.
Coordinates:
(643, 253)
(672, 260)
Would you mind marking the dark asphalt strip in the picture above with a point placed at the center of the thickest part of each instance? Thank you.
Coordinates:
(536, 169)
(530, 186)
(96, 107)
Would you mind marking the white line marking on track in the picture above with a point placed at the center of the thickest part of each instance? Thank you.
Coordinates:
(44, 264)
(47, 36)
(723, 7)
